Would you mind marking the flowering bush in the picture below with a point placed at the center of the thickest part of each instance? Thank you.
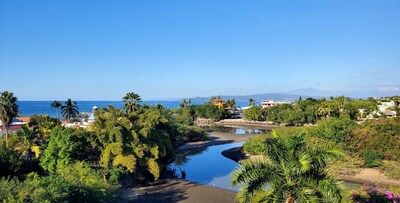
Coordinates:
(374, 194)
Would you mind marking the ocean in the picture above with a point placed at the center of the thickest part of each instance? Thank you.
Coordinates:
(28, 108)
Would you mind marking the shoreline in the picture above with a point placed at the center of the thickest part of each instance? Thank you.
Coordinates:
(365, 175)
(247, 123)
(216, 138)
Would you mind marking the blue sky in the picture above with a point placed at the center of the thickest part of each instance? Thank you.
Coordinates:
(99, 50)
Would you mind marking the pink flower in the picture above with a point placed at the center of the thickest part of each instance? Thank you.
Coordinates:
(390, 194)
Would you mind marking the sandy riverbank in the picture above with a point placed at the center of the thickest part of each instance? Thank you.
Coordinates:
(246, 123)
(177, 190)
(217, 138)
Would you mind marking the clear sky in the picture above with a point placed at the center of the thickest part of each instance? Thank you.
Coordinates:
(99, 50)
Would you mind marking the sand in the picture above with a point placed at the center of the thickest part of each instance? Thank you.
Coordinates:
(217, 138)
(177, 190)
(371, 175)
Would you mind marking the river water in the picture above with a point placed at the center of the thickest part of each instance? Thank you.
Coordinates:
(208, 166)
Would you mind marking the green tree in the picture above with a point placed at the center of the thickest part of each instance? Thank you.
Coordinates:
(254, 113)
(8, 110)
(252, 102)
(185, 103)
(56, 105)
(60, 149)
(290, 172)
(139, 143)
(131, 101)
(231, 104)
(69, 109)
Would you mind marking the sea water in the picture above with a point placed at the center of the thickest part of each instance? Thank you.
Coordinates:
(28, 108)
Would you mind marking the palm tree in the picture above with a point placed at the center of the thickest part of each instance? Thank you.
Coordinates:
(8, 110)
(56, 105)
(252, 102)
(290, 172)
(69, 109)
(185, 103)
(231, 104)
(132, 101)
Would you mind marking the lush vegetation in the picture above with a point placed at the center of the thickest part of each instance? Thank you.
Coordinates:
(187, 113)
(293, 171)
(310, 111)
(69, 109)
(46, 162)
(8, 111)
(373, 143)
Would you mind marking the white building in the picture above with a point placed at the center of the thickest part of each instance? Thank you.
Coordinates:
(386, 109)
(268, 103)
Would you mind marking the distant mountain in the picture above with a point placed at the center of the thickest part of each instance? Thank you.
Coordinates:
(311, 92)
(257, 97)
(294, 95)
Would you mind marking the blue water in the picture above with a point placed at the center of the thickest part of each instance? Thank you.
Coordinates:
(208, 166)
(28, 108)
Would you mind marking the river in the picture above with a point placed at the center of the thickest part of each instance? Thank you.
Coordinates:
(208, 166)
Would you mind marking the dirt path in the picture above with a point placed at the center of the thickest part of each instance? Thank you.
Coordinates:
(372, 176)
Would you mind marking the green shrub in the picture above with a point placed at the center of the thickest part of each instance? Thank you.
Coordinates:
(372, 158)
(254, 113)
(382, 135)
(335, 129)
(71, 183)
(255, 145)
(115, 175)
(392, 169)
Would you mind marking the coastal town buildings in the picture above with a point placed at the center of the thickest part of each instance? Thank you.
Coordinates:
(218, 102)
(16, 124)
(387, 109)
(268, 103)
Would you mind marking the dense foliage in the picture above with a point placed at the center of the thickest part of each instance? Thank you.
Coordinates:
(310, 110)
(293, 171)
(8, 110)
(70, 183)
(381, 135)
(46, 162)
(372, 158)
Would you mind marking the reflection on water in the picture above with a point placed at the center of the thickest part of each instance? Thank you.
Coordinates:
(238, 131)
(207, 166)
(184, 156)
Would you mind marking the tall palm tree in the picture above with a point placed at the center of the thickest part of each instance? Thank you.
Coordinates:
(56, 105)
(131, 101)
(231, 104)
(252, 102)
(290, 172)
(185, 103)
(69, 109)
(8, 110)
